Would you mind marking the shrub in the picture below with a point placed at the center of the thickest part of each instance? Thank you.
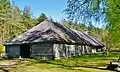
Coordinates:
(2, 49)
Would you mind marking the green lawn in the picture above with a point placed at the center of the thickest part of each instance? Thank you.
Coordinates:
(84, 63)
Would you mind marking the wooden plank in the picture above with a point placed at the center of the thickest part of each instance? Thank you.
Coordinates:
(42, 50)
(13, 51)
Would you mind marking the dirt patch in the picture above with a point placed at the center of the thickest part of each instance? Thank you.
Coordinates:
(5, 65)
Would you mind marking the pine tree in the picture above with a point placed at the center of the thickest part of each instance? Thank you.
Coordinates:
(5, 14)
(41, 18)
(27, 17)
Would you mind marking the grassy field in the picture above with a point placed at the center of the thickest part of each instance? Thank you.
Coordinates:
(84, 63)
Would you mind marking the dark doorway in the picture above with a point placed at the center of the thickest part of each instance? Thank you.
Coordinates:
(25, 51)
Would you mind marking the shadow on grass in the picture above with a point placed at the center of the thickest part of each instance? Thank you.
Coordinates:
(94, 67)
(49, 62)
(70, 67)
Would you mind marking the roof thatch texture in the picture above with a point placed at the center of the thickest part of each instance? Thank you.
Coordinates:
(54, 32)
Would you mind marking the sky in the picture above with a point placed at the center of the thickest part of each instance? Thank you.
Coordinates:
(52, 8)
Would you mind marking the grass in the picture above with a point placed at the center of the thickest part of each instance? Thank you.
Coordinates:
(83, 63)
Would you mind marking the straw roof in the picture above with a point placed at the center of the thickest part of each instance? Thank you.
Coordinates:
(55, 32)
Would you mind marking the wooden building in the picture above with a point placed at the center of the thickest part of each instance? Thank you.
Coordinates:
(52, 40)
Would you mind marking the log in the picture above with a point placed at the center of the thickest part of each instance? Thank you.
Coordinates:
(113, 65)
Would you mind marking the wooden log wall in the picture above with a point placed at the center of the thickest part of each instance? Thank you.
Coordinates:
(42, 51)
(13, 51)
(65, 50)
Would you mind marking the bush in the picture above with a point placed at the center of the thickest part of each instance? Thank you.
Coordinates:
(2, 49)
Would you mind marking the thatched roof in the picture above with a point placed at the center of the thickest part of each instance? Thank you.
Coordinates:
(49, 31)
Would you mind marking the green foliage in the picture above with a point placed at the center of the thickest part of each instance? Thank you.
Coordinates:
(69, 24)
(2, 49)
(114, 22)
(86, 11)
(5, 9)
(95, 6)
(27, 19)
(5, 14)
(12, 21)
(26, 12)
(106, 11)
(41, 18)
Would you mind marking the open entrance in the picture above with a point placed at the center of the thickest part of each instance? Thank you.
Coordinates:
(25, 51)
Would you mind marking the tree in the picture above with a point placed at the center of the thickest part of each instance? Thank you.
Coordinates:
(100, 11)
(27, 17)
(86, 11)
(114, 22)
(41, 18)
(12, 21)
(5, 9)
(5, 14)
(27, 12)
